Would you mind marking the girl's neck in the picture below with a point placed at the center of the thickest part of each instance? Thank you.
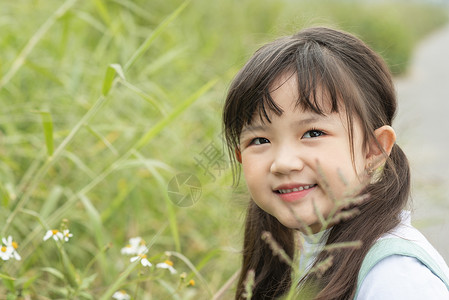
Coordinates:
(309, 247)
(315, 238)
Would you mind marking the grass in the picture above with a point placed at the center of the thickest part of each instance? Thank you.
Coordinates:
(103, 102)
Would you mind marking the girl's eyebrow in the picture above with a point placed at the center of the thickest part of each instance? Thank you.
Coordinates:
(307, 121)
(261, 127)
(250, 128)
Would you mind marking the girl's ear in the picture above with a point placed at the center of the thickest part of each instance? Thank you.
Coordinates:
(238, 155)
(386, 137)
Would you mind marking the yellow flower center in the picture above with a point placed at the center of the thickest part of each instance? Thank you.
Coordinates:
(169, 262)
(142, 256)
(15, 245)
(55, 231)
(3, 249)
(192, 282)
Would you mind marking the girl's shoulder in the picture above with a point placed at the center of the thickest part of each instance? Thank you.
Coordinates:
(402, 277)
(405, 231)
(402, 264)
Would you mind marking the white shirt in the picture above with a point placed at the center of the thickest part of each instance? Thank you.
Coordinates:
(400, 277)
(395, 277)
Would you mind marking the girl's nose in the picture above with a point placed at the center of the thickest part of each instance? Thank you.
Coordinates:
(286, 160)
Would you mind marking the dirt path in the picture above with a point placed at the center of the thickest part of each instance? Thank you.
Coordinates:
(423, 132)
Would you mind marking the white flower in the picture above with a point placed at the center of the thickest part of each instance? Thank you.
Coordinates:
(121, 295)
(67, 235)
(168, 264)
(128, 250)
(136, 246)
(12, 246)
(5, 252)
(143, 260)
(56, 234)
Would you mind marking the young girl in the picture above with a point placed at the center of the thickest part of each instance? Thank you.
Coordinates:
(309, 120)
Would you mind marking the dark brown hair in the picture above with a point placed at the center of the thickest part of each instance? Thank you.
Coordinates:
(355, 79)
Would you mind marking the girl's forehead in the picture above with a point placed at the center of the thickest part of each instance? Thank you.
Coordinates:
(286, 94)
(285, 80)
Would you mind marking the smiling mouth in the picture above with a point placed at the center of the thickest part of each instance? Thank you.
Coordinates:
(298, 189)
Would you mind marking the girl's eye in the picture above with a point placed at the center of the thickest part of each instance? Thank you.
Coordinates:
(259, 141)
(313, 134)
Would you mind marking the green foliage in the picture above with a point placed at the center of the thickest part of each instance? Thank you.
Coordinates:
(103, 102)
(391, 28)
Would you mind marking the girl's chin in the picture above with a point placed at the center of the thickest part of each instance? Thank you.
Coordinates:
(303, 227)
(293, 224)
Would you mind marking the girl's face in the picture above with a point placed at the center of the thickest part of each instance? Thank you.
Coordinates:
(284, 162)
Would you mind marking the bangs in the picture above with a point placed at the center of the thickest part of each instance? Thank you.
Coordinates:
(323, 86)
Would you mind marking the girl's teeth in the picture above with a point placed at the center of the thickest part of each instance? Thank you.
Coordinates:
(285, 191)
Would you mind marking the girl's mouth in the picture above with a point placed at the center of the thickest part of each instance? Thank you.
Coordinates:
(296, 193)
(298, 189)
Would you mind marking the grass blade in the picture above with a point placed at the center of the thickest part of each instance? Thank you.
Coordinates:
(228, 285)
(19, 61)
(102, 10)
(47, 123)
(94, 217)
(190, 265)
(170, 209)
(51, 202)
(103, 139)
(117, 202)
(165, 59)
(134, 8)
(145, 96)
(144, 47)
(55, 272)
(4, 276)
(174, 114)
(79, 163)
(111, 71)
(97, 225)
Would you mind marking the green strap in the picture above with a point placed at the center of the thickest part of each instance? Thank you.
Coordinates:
(397, 246)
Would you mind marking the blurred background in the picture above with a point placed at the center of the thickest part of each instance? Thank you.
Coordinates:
(110, 127)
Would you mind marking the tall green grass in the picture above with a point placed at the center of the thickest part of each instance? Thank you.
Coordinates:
(103, 102)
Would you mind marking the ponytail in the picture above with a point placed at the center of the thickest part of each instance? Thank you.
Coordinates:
(397, 167)
(272, 276)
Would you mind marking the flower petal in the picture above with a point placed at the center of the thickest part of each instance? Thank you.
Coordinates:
(48, 235)
(146, 263)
